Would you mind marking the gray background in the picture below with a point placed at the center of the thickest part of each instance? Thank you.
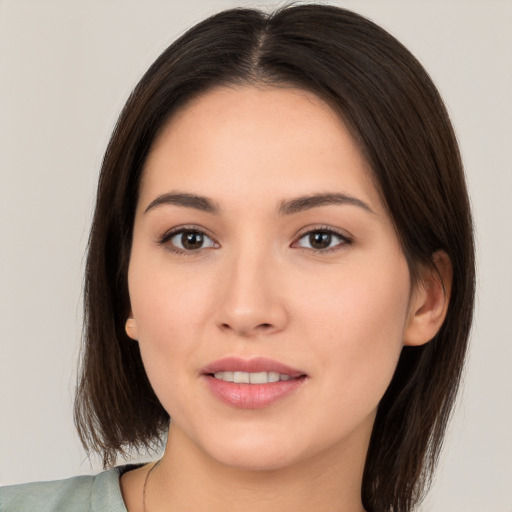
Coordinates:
(66, 70)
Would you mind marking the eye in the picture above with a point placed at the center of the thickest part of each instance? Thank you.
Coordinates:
(187, 240)
(322, 240)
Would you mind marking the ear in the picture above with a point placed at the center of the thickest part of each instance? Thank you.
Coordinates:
(429, 302)
(131, 328)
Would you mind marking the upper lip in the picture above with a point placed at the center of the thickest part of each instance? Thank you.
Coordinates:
(252, 365)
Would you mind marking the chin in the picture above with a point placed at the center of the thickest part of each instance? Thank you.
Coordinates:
(255, 461)
(253, 453)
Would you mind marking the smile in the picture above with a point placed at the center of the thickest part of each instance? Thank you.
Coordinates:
(252, 383)
(251, 378)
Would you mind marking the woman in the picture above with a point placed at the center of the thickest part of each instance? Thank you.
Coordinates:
(281, 261)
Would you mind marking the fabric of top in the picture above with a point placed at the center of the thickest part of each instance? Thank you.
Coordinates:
(95, 493)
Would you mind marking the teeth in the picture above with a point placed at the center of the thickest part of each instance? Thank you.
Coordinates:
(251, 378)
(274, 377)
(241, 377)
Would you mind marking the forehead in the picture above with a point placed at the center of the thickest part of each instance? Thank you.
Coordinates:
(253, 141)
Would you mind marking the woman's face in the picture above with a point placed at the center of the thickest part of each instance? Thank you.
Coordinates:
(261, 251)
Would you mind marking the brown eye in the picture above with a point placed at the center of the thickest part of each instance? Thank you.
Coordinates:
(191, 240)
(322, 239)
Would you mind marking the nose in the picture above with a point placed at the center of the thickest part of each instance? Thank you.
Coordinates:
(252, 301)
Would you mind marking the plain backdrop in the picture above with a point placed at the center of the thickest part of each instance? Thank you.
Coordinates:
(66, 69)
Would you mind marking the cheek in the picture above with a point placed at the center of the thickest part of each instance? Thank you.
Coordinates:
(167, 317)
(358, 318)
(169, 311)
(167, 303)
(358, 300)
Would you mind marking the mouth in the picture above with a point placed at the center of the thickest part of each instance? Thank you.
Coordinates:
(253, 383)
(251, 378)
(257, 370)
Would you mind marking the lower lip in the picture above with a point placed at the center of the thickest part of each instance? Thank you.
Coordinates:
(252, 396)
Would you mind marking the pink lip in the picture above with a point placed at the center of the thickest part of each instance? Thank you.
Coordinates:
(251, 396)
(253, 365)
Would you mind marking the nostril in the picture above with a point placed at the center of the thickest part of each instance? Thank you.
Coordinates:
(247, 330)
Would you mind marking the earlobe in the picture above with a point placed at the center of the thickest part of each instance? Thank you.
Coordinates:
(131, 328)
(429, 302)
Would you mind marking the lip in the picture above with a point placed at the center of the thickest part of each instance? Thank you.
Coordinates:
(252, 396)
(253, 365)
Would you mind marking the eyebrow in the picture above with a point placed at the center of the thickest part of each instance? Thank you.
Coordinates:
(187, 200)
(300, 204)
(288, 207)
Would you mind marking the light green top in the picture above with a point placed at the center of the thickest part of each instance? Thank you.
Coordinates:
(99, 493)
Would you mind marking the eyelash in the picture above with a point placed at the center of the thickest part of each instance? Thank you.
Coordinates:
(168, 236)
(344, 239)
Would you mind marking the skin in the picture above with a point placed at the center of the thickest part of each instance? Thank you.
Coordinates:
(257, 288)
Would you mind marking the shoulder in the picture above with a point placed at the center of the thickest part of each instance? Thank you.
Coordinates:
(78, 494)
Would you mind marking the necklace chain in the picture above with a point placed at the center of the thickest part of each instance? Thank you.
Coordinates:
(145, 485)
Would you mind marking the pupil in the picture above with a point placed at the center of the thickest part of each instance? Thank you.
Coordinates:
(320, 240)
(192, 240)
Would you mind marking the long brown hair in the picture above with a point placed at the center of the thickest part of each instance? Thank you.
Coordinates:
(398, 118)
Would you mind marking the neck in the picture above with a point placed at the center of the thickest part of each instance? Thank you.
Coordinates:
(187, 479)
